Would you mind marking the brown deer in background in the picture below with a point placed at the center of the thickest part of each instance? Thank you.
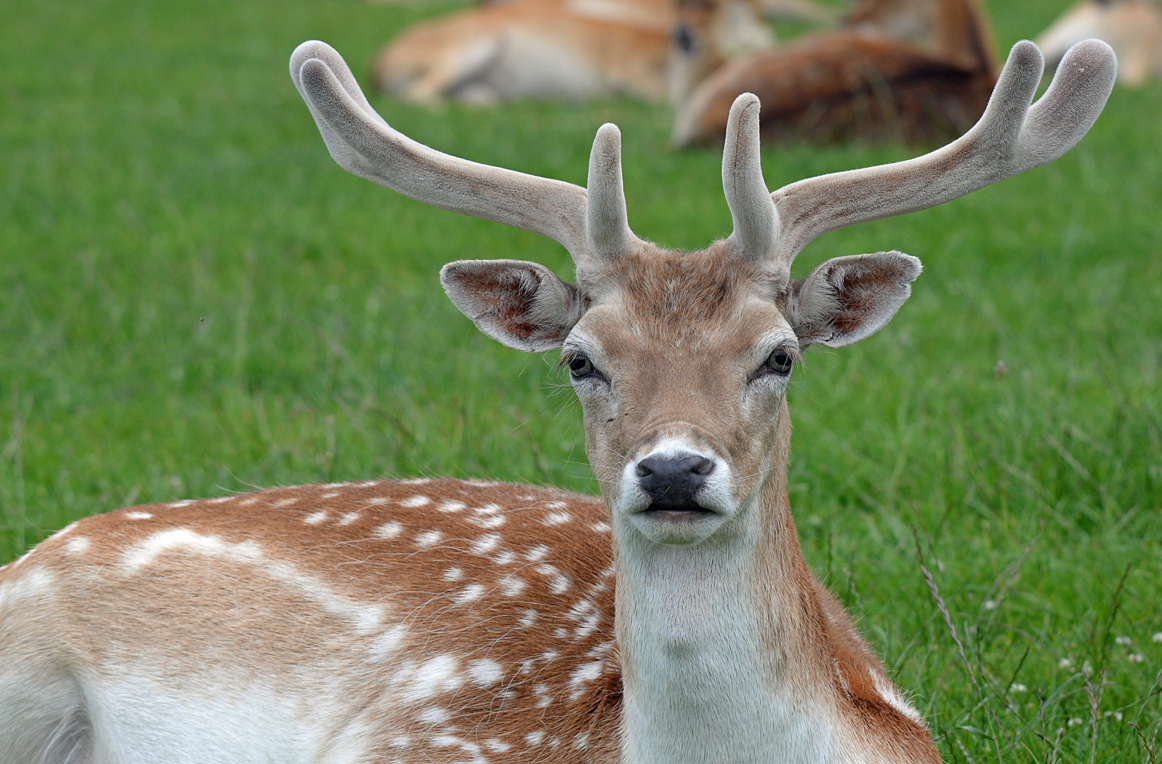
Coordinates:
(916, 70)
(671, 621)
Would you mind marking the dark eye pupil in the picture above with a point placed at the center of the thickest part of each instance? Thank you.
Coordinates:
(580, 366)
(780, 362)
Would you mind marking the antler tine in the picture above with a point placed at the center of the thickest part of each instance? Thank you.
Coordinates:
(1010, 138)
(747, 195)
(607, 230)
(365, 145)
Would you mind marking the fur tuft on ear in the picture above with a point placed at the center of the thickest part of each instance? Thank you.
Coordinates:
(848, 298)
(520, 304)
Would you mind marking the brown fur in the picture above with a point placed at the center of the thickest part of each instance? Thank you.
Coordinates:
(259, 628)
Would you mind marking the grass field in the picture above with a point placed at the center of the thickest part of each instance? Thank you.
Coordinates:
(195, 300)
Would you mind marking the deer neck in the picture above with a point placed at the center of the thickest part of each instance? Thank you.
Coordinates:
(721, 642)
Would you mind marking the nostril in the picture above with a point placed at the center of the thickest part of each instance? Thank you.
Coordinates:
(702, 466)
(644, 469)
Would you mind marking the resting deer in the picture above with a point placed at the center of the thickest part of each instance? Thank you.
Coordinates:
(555, 49)
(1133, 28)
(673, 620)
(918, 70)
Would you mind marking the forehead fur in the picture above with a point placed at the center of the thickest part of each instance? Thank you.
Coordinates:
(676, 294)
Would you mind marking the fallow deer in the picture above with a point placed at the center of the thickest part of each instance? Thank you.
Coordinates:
(673, 620)
(556, 49)
(917, 70)
(1133, 28)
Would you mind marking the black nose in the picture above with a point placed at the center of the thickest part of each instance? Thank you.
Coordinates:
(673, 482)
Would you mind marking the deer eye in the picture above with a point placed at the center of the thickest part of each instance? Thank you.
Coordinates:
(579, 366)
(779, 362)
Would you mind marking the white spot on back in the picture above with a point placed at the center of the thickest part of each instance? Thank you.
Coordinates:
(538, 552)
(469, 593)
(528, 619)
(434, 677)
(428, 539)
(433, 715)
(389, 530)
(315, 518)
(77, 545)
(453, 574)
(558, 582)
(485, 544)
(484, 672)
(281, 503)
(387, 643)
(583, 675)
(556, 518)
(36, 583)
(512, 585)
(138, 515)
(415, 501)
(451, 505)
(349, 518)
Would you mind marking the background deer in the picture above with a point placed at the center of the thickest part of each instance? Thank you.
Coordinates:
(468, 621)
(557, 49)
(1133, 28)
(917, 70)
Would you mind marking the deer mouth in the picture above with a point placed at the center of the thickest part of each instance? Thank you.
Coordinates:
(678, 514)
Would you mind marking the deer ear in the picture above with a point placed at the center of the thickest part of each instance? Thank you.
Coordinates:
(519, 304)
(848, 298)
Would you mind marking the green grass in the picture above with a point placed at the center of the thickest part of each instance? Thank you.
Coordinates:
(195, 300)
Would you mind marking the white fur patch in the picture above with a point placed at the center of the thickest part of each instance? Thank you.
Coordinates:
(35, 584)
(484, 672)
(365, 618)
(438, 675)
(893, 698)
(389, 530)
(387, 643)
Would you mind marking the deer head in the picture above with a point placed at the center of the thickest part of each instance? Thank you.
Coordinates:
(681, 359)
